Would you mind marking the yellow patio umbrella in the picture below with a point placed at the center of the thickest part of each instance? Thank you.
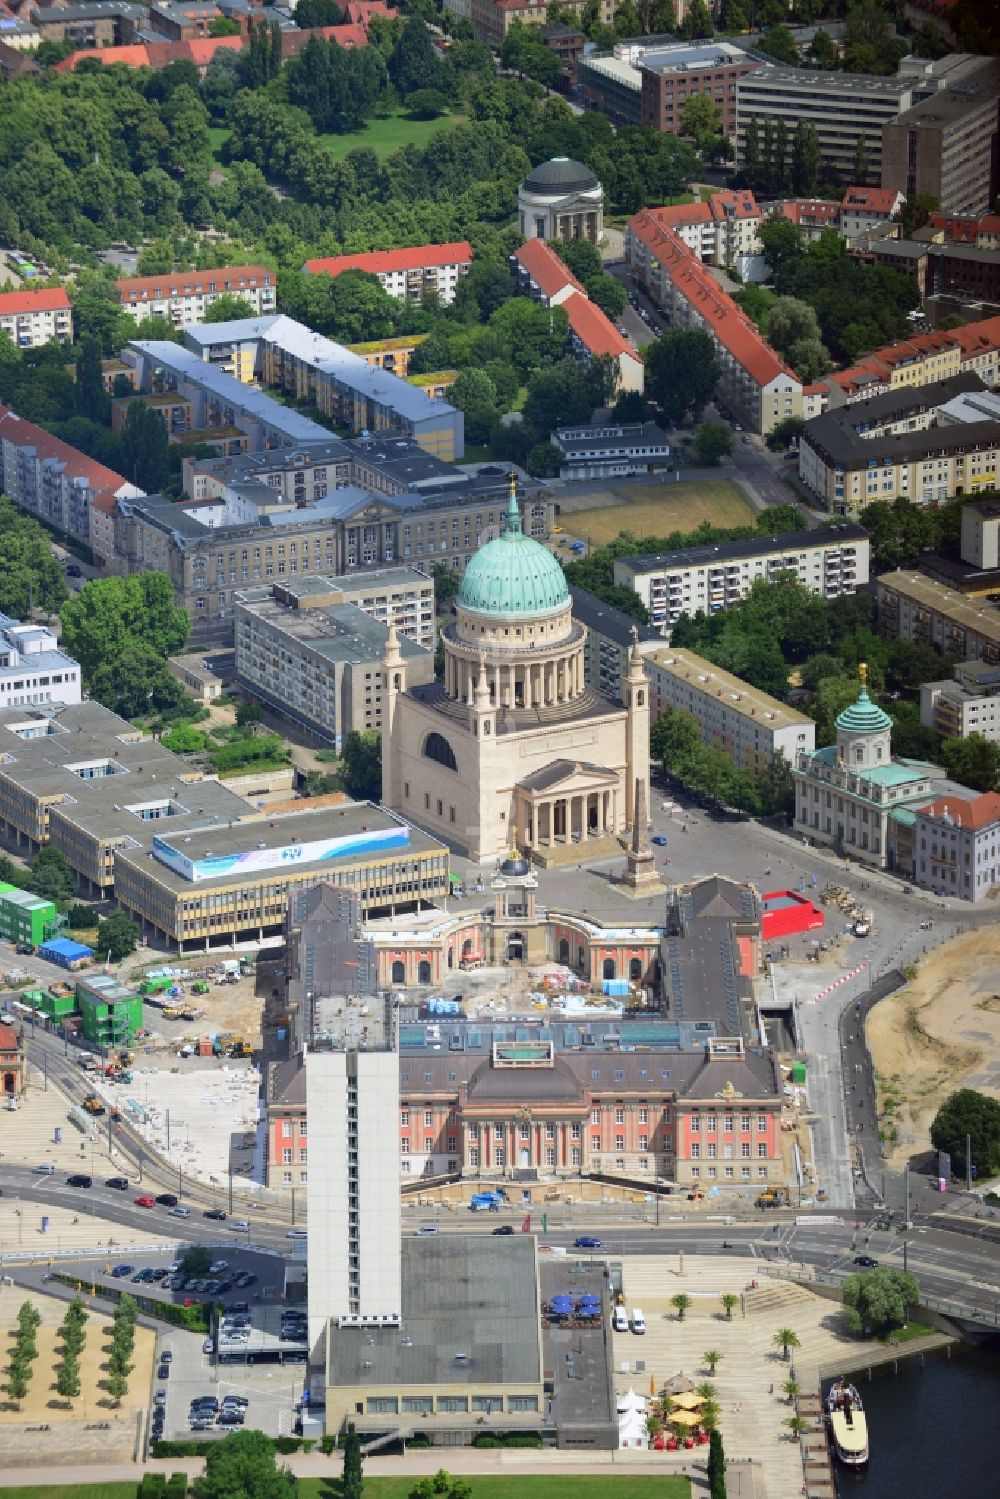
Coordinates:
(686, 1402)
(684, 1418)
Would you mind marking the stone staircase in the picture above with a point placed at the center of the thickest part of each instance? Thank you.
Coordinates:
(775, 1296)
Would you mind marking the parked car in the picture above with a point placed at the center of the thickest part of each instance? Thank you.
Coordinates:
(46, 1170)
(230, 1417)
(217, 1266)
(166, 1357)
(163, 1372)
(120, 1271)
(659, 839)
(866, 1262)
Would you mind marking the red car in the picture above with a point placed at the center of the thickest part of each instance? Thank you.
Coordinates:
(144, 1202)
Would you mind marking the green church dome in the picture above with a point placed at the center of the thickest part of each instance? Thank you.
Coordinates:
(863, 716)
(513, 575)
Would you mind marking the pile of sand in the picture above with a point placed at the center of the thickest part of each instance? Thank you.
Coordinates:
(940, 1033)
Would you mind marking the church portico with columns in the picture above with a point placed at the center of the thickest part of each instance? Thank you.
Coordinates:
(514, 746)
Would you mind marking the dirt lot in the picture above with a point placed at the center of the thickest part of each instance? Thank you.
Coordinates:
(940, 1033)
(228, 1007)
(653, 510)
(68, 1418)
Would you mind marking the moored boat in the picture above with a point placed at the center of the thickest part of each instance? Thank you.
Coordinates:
(848, 1424)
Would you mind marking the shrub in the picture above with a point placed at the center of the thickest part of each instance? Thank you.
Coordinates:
(327, 1444)
(177, 1486)
(287, 1444)
(522, 1439)
(152, 1486)
(481, 1441)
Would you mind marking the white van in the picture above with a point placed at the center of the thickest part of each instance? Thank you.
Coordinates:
(619, 1319)
(638, 1321)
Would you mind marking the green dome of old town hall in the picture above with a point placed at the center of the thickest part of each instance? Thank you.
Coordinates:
(863, 716)
(513, 575)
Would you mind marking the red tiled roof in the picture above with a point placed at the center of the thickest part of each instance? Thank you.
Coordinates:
(22, 434)
(46, 299)
(351, 34)
(595, 331)
(960, 227)
(547, 270)
(193, 283)
(978, 813)
(880, 200)
(740, 204)
(977, 338)
(361, 10)
(155, 55)
(810, 211)
(728, 323)
(382, 262)
(681, 213)
(8, 1038)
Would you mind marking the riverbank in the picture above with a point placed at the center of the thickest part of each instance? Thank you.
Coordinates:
(941, 1032)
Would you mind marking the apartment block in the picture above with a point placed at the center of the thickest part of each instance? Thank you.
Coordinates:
(749, 725)
(184, 297)
(182, 20)
(966, 703)
(312, 651)
(755, 382)
(859, 215)
(592, 335)
(830, 561)
(492, 19)
(946, 144)
(845, 108)
(407, 274)
(894, 446)
(94, 25)
(720, 230)
(54, 482)
(543, 275)
(32, 667)
(921, 360)
(912, 606)
(610, 636)
(956, 846)
(36, 317)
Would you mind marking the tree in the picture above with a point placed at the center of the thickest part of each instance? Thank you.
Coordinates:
(544, 460)
(823, 54)
(713, 441)
(583, 258)
(353, 1480)
(879, 1301)
(557, 397)
(414, 63)
(697, 23)
(51, 876)
(445, 585)
(786, 1338)
(145, 447)
(244, 1465)
(729, 1301)
(796, 1426)
(680, 1303)
(314, 13)
(779, 43)
(117, 936)
(117, 1387)
(915, 212)
(974, 761)
(701, 119)
(805, 160)
(68, 1377)
(607, 293)
(972, 1114)
(91, 397)
(196, 1260)
(18, 1380)
(361, 764)
(681, 372)
(110, 615)
(711, 1357)
(859, 170)
(716, 1466)
(228, 308)
(223, 26)
(781, 240)
(674, 739)
(790, 1389)
(427, 104)
(474, 394)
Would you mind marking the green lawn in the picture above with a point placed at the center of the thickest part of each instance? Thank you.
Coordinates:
(75, 1491)
(524, 1485)
(218, 135)
(653, 509)
(909, 1332)
(388, 135)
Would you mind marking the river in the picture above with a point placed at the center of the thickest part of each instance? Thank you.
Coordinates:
(933, 1432)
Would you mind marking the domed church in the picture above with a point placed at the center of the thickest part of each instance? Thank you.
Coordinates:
(514, 748)
(561, 199)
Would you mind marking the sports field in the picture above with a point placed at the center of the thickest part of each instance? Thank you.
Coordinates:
(655, 510)
(518, 1485)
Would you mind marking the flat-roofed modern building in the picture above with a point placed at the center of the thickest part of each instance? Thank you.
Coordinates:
(966, 703)
(32, 667)
(610, 637)
(748, 724)
(945, 145)
(913, 607)
(829, 561)
(844, 107)
(611, 452)
(312, 648)
(223, 883)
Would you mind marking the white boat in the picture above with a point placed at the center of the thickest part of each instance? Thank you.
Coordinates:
(848, 1424)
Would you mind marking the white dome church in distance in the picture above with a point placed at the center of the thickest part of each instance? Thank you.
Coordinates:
(561, 199)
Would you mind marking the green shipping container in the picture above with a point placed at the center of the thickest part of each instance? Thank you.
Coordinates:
(25, 917)
(799, 1073)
